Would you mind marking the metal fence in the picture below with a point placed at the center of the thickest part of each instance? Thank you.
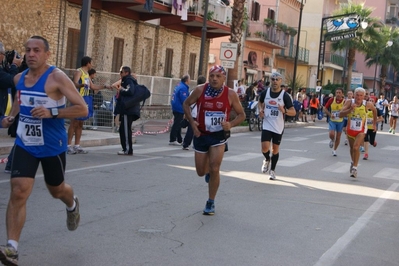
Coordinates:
(161, 91)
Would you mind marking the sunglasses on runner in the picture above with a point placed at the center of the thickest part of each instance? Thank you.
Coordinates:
(273, 79)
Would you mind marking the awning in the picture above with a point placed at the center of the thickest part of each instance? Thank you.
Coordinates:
(252, 71)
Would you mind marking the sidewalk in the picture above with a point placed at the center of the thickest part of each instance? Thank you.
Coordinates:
(105, 136)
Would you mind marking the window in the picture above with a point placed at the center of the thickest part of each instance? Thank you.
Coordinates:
(191, 65)
(117, 54)
(271, 13)
(72, 48)
(168, 63)
(255, 11)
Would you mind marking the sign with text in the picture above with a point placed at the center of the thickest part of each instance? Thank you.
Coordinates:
(349, 35)
(228, 51)
(357, 80)
(228, 64)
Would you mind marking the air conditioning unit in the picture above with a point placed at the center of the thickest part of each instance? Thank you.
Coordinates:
(266, 61)
(211, 59)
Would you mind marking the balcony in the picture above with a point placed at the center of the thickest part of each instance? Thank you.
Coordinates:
(269, 36)
(218, 18)
(303, 54)
(337, 60)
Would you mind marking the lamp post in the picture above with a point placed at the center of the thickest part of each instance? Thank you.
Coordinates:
(297, 47)
(388, 44)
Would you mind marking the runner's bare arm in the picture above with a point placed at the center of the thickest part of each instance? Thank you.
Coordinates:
(76, 78)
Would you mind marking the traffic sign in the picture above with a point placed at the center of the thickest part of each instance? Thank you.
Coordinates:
(228, 64)
(228, 51)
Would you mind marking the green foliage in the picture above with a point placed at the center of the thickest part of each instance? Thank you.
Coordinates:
(269, 22)
(299, 83)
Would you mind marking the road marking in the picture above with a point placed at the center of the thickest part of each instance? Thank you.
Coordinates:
(388, 173)
(294, 161)
(242, 157)
(331, 255)
(96, 166)
(318, 134)
(186, 154)
(239, 134)
(293, 150)
(338, 167)
(391, 148)
(157, 149)
(295, 139)
(324, 141)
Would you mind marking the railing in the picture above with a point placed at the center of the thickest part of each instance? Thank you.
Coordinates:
(303, 54)
(337, 60)
(217, 10)
(259, 30)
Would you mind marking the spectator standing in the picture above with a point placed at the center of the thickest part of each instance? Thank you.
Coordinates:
(127, 113)
(212, 128)
(314, 106)
(188, 138)
(394, 106)
(97, 100)
(380, 105)
(43, 114)
(241, 91)
(83, 84)
(180, 94)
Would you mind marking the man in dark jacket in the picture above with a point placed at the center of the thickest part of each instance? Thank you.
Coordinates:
(127, 113)
(179, 96)
(6, 77)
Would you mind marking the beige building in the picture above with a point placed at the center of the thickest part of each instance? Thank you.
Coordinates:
(164, 42)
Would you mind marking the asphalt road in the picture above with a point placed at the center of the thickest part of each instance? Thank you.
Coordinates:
(147, 209)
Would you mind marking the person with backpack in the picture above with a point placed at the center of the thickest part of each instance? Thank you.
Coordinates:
(128, 109)
(180, 94)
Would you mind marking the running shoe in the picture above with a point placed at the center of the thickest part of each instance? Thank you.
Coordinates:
(334, 153)
(71, 150)
(209, 208)
(393, 131)
(8, 255)
(366, 156)
(265, 166)
(375, 144)
(124, 153)
(361, 149)
(272, 175)
(207, 177)
(79, 150)
(73, 217)
(390, 130)
(185, 148)
(331, 144)
(346, 142)
(175, 143)
(354, 173)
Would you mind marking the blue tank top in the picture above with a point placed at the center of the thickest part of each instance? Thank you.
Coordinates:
(40, 137)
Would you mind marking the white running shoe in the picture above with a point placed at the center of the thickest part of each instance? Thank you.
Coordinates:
(346, 142)
(354, 173)
(334, 153)
(272, 175)
(265, 166)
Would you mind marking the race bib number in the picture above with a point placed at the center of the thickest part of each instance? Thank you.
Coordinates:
(272, 112)
(369, 121)
(213, 120)
(30, 130)
(335, 115)
(356, 124)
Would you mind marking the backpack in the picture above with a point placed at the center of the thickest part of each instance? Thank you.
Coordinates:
(141, 93)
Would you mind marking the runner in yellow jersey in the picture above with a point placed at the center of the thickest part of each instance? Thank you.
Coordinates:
(336, 123)
(356, 111)
(371, 133)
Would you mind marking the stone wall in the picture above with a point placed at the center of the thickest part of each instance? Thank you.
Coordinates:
(145, 44)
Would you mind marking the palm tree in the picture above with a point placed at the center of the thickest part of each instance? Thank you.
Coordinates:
(236, 36)
(363, 36)
(380, 53)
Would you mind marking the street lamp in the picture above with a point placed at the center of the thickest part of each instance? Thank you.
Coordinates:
(297, 46)
(388, 44)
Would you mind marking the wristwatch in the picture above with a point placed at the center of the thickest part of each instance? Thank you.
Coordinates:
(54, 112)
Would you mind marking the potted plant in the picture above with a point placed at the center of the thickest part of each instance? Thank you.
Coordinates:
(281, 26)
(258, 34)
(269, 22)
(291, 31)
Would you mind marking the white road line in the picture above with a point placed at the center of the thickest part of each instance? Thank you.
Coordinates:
(96, 166)
(294, 161)
(185, 154)
(338, 167)
(295, 139)
(233, 135)
(242, 157)
(388, 173)
(157, 149)
(323, 141)
(331, 255)
(293, 150)
(391, 148)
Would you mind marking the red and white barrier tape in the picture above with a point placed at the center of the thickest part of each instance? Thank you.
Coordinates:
(4, 160)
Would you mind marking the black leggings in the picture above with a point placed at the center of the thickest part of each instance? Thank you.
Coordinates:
(370, 136)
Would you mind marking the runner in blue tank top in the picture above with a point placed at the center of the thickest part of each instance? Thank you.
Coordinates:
(42, 91)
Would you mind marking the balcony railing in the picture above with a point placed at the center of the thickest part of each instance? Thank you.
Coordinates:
(217, 11)
(303, 54)
(337, 60)
(259, 30)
